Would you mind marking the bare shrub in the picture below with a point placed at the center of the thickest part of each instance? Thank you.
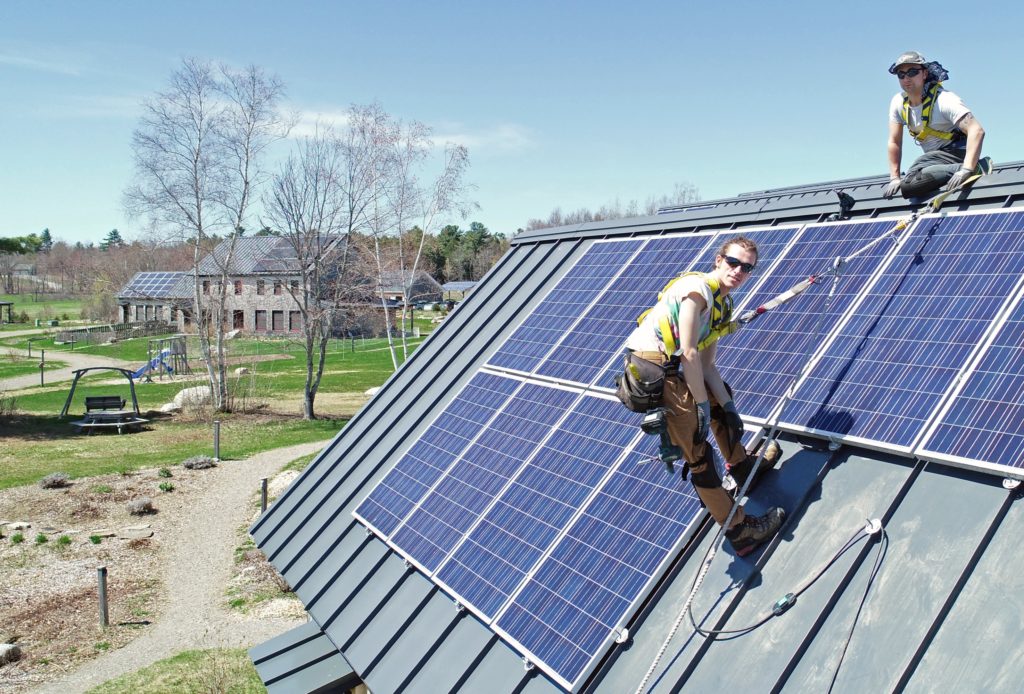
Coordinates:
(199, 462)
(140, 506)
(55, 480)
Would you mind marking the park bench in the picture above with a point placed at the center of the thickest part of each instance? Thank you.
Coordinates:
(96, 403)
(107, 411)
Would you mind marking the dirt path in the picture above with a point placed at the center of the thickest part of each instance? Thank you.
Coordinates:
(74, 360)
(199, 561)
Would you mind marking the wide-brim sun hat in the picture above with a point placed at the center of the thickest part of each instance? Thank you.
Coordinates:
(908, 58)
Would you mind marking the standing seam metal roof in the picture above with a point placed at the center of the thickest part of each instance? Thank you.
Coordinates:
(946, 588)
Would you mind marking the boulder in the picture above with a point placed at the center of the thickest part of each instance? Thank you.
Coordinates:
(241, 370)
(135, 532)
(372, 391)
(198, 395)
(170, 407)
(231, 335)
(9, 652)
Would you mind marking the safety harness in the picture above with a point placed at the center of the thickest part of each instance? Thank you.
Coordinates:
(931, 97)
(721, 314)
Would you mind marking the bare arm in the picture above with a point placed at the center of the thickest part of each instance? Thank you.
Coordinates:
(970, 126)
(895, 149)
(690, 360)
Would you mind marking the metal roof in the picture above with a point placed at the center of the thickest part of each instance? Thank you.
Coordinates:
(940, 612)
(158, 285)
(256, 255)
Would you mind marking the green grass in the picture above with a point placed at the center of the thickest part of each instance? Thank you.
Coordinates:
(46, 444)
(300, 464)
(11, 366)
(47, 308)
(220, 670)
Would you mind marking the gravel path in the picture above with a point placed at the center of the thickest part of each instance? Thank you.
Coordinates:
(200, 556)
(74, 360)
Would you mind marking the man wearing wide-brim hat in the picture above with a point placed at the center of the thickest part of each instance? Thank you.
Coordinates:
(939, 122)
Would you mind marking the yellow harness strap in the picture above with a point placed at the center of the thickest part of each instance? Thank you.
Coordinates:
(930, 97)
(721, 314)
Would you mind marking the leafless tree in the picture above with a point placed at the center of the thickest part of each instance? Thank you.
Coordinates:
(197, 150)
(682, 193)
(312, 203)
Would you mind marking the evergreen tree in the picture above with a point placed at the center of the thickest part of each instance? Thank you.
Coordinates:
(46, 241)
(113, 240)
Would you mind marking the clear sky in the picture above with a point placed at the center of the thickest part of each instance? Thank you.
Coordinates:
(569, 105)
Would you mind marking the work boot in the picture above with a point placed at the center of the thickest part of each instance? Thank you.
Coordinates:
(755, 530)
(742, 470)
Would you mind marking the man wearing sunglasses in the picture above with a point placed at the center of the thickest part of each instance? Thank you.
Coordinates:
(939, 122)
(695, 397)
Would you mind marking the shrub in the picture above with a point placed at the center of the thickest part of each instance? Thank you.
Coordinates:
(95, 539)
(17, 538)
(165, 472)
(199, 462)
(103, 489)
(140, 506)
(166, 487)
(55, 480)
(41, 539)
(63, 541)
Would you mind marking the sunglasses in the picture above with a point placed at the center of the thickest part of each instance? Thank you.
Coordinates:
(912, 72)
(736, 262)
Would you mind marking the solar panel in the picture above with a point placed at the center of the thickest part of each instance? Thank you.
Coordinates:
(761, 360)
(434, 452)
(563, 305)
(480, 473)
(153, 285)
(604, 327)
(884, 374)
(984, 421)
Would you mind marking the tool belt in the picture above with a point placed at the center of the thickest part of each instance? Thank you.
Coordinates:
(641, 384)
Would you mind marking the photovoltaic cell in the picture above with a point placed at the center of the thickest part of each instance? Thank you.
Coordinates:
(449, 510)
(552, 318)
(502, 549)
(610, 556)
(985, 421)
(434, 452)
(761, 360)
(883, 376)
(601, 333)
(152, 285)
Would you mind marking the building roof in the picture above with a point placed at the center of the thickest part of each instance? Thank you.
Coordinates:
(398, 280)
(458, 286)
(914, 609)
(256, 255)
(158, 285)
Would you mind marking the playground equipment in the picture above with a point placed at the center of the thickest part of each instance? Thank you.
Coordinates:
(168, 355)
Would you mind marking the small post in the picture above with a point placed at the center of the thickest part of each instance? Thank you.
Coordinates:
(263, 495)
(42, 365)
(216, 440)
(30, 347)
(101, 576)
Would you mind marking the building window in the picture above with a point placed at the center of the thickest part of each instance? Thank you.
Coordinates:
(294, 321)
(261, 287)
(138, 313)
(238, 320)
(295, 286)
(261, 321)
(206, 286)
(277, 321)
(238, 286)
(278, 286)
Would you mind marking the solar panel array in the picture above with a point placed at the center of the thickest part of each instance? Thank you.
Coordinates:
(532, 498)
(153, 285)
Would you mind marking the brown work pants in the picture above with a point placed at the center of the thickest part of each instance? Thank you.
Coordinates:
(681, 417)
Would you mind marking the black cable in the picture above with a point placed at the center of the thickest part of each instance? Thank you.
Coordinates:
(883, 545)
(786, 601)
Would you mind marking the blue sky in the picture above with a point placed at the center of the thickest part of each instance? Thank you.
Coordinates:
(561, 104)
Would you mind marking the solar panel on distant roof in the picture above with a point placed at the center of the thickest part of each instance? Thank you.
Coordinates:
(885, 373)
(152, 285)
(550, 320)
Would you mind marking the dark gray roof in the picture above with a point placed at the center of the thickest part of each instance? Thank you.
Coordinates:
(458, 286)
(256, 255)
(158, 285)
(304, 656)
(398, 280)
(940, 614)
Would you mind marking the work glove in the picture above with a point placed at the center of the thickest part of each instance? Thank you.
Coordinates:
(958, 178)
(892, 188)
(733, 425)
(703, 421)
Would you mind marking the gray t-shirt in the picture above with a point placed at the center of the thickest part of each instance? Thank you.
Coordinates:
(946, 113)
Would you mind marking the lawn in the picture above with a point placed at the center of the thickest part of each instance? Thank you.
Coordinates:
(35, 446)
(221, 670)
(46, 308)
(11, 365)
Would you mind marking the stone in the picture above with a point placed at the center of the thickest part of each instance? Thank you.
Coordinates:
(103, 532)
(18, 525)
(372, 391)
(135, 533)
(241, 370)
(231, 335)
(9, 652)
(197, 395)
(170, 407)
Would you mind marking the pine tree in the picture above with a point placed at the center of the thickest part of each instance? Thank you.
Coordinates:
(46, 241)
(113, 240)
